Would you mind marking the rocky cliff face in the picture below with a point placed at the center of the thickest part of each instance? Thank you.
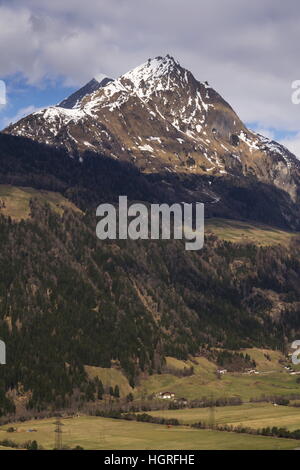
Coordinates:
(159, 117)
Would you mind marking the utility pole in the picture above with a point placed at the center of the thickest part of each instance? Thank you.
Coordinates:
(212, 417)
(58, 435)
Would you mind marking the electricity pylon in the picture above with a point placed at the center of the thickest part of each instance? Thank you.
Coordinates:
(58, 435)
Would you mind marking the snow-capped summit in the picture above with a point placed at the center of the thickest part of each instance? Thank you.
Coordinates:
(152, 77)
(154, 72)
(161, 118)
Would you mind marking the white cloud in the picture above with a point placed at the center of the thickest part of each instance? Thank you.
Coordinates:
(265, 132)
(247, 50)
(7, 120)
(293, 144)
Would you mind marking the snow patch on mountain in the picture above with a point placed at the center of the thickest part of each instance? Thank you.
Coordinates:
(279, 149)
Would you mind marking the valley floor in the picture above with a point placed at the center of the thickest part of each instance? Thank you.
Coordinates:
(271, 378)
(111, 434)
(254, 416)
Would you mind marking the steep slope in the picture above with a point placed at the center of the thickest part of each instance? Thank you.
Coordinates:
(68, 300)
(159, 117)
(97, 178)
(73, 101)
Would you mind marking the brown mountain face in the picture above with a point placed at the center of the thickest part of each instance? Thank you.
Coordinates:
(159, 117)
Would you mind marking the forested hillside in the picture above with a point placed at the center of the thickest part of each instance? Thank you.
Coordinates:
(69, 300)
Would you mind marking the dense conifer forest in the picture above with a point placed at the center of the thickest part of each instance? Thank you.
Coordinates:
(68, 299)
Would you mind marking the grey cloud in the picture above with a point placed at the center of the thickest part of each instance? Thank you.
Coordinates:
(247, 50)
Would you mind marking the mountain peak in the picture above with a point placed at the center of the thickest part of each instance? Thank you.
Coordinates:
(153, 76)
(102, 80)
(152, 69)
(159, 117)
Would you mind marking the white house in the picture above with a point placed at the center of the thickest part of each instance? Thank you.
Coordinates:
(165, 395)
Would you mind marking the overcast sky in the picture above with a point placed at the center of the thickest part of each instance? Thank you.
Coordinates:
(247, 50)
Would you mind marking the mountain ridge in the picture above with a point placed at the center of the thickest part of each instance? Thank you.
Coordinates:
(78, 300)
(73, 101)
(160, 118)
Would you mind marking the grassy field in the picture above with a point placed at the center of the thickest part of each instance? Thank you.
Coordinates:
(7, 448)
(253, 415)
(272, 380)
(177, 364)
(109, 434)
(230, 385)
(245, 232)
(16, 201)
(265, 359)
(110, 378)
